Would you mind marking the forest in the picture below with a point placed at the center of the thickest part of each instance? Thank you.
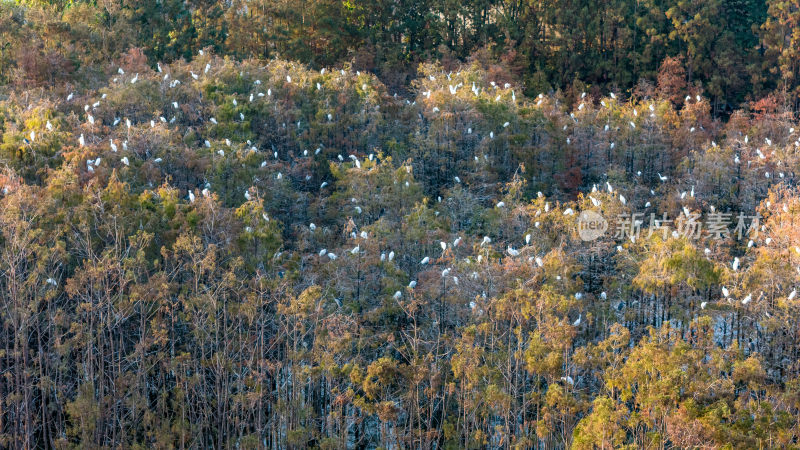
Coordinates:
(427, 224)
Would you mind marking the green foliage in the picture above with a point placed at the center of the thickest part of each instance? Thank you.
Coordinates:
(200, 251)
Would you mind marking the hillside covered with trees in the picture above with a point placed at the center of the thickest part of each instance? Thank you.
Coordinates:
(324, 224)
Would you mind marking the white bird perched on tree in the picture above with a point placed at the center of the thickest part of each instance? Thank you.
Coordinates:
(793, 294)
(82, 141)
(703, 305)
(135, 79)
(412, 284)
(332, 256)
(747, 299)
(323, 252)
(735, 264)
(288, 79)
(424, 261)
(247, 196)
(33, 136)
(213, 120)
(486, 240)
(505, 125)
(577, 321)
(125, 161)
(355, 250)
(221, 152)
(578, 295)
(568, 212)
(539, 261)
(49, 126)
(312, 226)
(457, 241)
(397, 295)
(443, 244)
(622, 199)
(568, 379)
(725, 292)
(662, 177)
(501, 204)
(90, 118)
(511, 251)
(191, 197)
(458, 180)
(391, 255)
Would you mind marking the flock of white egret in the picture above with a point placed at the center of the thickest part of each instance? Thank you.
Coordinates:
(94, 124)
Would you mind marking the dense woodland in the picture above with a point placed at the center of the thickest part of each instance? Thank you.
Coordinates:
(325, 224)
